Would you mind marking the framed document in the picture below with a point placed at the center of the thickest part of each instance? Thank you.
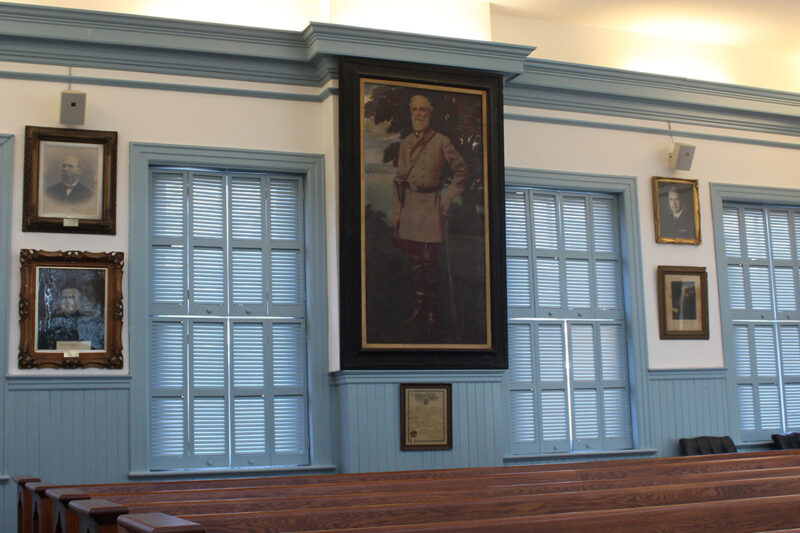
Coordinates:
(426, 417)
(682, 302)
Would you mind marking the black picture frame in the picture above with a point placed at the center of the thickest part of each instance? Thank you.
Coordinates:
(53, 156)
(453, 314)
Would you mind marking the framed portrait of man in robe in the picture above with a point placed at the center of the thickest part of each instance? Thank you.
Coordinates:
(70, 309)
(421, 188)
(70, 181)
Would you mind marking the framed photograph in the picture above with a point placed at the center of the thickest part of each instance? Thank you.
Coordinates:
(682, 302)
(426, 417)
(421, 209)
(677, 210)
(70, 181)
(70, 309)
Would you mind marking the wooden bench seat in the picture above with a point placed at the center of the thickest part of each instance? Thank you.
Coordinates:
(248, 515)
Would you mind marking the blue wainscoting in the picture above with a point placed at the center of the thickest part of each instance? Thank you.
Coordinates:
(69, 433)
(369, 411)
(687, 403)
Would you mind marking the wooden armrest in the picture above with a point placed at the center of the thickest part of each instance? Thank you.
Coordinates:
(157, 523)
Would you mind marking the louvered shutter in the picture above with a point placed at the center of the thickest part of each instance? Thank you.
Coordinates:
(228, 384)
(564, 267)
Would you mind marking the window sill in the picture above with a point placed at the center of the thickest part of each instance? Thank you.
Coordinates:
(578, 456)
(4, 479)
(228, 472)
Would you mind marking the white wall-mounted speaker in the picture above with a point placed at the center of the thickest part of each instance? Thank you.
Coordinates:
(73, 107)
(681, 156)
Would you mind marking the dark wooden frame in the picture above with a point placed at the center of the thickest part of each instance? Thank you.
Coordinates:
(107, 177)
(30, 262)
(447, 390)
(357, 351)
(701, 302)
(657, 209)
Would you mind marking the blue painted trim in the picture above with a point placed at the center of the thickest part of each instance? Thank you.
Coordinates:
(698, 373)
(650, 131)
(311, 166)
(598, 90)
(159, 86)
(58, 36)
(22, 383)
(352, 377)
(337, 40)
(635, 311)
(6, 193)
(228, 472)
(578, 456)
(720, 193)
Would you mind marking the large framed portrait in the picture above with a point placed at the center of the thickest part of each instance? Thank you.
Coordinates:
(677, 210)
(70, 181)
(421, 212)
(682, 302)
(426, 416)
(70, 309)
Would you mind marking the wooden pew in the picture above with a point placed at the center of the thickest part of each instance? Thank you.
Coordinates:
(24, 502)
(239, 516)
(544, 473)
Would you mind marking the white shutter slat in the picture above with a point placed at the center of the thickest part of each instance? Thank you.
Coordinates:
(741, 346)
(167, 355)
(586, 416)
(575, 224)
(247, 208)
(285, 277)
(167, 205)
(209, 426)
(247, 276)
(780, 243)
(555, 422)
(523, 418)
(770, 407)
(582, 352)
(208, 206)
(732, 232)
(792, 401)
(607, 285)
(208, 354)
(167, 427)
(518, 280)
(247, 350)
(284, 209)
(736, 288)
(790, 349)
(784, 288)
(765, 351)
(747, 413)
(615, 411)
(520, 353)
(548, 282)
(579, 284)
(208, 276)
(550, 349)
(288, 354)
(612, 352)
(168, 275)
(545, 222)
(249, 426)
(516, 221)
(604, 224)
(760, 288)
(755, 233)
(289, 420)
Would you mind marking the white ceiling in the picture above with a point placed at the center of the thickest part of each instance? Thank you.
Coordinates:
(770, 26)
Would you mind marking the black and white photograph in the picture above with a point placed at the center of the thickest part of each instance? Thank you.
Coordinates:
(677, 210)
(682, 302)
(70, 181)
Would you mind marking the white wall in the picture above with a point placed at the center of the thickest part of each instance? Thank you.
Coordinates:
(642, 155)
(152, 116)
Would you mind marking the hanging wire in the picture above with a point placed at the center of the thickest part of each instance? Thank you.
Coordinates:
(69, 79)
(669, 126)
